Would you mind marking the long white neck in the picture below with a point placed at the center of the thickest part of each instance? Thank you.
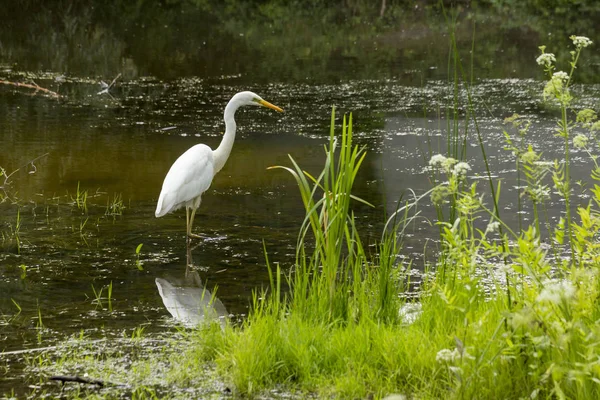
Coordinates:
(221, 154)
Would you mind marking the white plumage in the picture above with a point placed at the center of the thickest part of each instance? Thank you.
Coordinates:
(192, 173)
(189, 177)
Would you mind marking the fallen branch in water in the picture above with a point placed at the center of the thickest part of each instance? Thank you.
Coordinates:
(78, 379)
(38, 349)
(6, 175)
(26, 351)
(34, 86)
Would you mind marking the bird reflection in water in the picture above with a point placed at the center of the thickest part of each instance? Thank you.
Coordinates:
(188, 301)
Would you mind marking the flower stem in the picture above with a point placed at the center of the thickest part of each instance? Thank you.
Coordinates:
(567, 182)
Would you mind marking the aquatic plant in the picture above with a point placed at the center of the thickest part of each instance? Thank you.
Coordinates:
(82, 233)
(98, 298)
(114, 205)
(138, 263)
(14, 233)
(80, 199)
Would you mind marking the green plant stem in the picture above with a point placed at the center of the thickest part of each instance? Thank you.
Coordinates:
(567, 182)
(536, 219)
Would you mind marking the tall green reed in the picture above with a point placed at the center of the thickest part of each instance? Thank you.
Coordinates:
(333, 273)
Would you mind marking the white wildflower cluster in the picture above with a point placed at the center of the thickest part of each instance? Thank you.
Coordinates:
(493, 226)
(581, 41)
(460, 170)
(562, 75)
(546, 59)
(447, 356)
(580, 141)
(437, 161)
(553, 292)
(448, 164)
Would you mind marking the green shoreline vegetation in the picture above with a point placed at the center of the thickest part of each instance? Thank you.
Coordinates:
(339, 333)
(287, 41)
(344, 330)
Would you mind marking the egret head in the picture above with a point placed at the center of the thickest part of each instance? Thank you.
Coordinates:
(252, 99)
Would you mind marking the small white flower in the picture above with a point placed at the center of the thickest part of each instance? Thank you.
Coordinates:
(546, 59)
(554, 292)
(581, 41)
(446, 356)
(492, 227)
(442, 162)
(562, 75)
(461, 169)
(580, 141)
(449, 163)
(437, 161)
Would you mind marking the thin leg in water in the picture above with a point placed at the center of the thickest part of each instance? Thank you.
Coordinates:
(191, 223)
(187, 225)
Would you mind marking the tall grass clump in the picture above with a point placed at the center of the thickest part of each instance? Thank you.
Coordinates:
(330, 259)
(340, 297)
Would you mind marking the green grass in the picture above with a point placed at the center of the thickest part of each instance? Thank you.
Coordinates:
(80, 199)
(338, 332)
(13, 236)
(98, 298)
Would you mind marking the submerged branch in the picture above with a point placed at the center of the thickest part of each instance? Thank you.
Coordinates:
(26, 351)
(34, 86)
(78, 379)
(4, 185)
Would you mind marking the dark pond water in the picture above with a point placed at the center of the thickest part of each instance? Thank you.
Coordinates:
(57, 255)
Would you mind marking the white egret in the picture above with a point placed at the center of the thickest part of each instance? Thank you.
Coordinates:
(192, 173)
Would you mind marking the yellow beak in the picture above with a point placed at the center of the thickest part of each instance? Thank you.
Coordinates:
(269, 105)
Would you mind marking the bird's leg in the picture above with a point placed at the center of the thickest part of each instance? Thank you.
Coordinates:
(187, 227)
(191, 223)
(187, 220)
